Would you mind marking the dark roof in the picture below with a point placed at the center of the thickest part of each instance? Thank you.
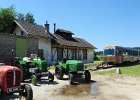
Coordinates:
(33, 29)
(64, 31)
(78, 42)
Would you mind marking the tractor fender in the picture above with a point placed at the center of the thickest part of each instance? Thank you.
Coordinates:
(58, 63)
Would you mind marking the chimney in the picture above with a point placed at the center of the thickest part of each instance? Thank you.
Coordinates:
(54, 27)
(47, 27)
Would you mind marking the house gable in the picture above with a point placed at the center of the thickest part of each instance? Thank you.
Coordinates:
(19, 31)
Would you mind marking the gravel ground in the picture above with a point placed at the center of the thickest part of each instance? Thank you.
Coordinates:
(102, 87)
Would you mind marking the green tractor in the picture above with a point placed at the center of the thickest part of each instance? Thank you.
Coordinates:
(33, 68)
(72, 68)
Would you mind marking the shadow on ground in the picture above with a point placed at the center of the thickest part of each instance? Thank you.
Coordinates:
(42, 81)
(11, 97)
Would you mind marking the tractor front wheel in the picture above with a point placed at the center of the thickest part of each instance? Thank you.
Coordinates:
(87, 76)
(71, 79)
(26, 93)
(59, 72)
(50, 77)
(34, 80)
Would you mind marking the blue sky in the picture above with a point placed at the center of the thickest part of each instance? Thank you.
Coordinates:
(100, 22)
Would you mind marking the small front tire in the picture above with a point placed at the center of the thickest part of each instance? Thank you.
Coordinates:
(34, 80)
(0, 90)
(50, 77)
(71, 79)
(27, 92)
(87, 76)
(59, 72)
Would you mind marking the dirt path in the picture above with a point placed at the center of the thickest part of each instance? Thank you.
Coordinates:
(101, 88)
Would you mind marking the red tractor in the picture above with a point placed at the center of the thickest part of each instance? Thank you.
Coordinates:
(10, 82)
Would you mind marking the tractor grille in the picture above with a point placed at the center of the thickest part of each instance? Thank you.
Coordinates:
(10, 79)
(80, 67)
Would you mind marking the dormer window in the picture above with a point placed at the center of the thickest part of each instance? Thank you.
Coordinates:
(22, 33)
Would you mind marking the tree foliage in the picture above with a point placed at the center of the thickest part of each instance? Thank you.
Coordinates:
(20, 17)
(29, 18)
(8, 15)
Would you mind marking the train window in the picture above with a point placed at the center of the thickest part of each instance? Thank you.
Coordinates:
(108, 52)
(118, 52)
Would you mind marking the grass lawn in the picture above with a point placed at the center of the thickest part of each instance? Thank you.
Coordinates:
(130, 71)
(93, 64)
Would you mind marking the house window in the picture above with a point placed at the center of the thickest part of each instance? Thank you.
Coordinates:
(84, 53)
(40, 53)
(73, 51)
(59, 54)
(22, 33)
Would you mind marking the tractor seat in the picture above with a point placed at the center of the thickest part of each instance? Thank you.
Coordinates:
(27, 59)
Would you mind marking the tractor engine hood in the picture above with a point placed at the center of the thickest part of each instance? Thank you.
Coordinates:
(7, 68)
(75, 65)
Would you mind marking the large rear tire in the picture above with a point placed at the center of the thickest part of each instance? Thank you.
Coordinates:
(87, 76)
(36, 73)
(23, 72)
(27, 92)
(59, 72)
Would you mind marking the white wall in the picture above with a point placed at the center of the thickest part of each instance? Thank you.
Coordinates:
(90, 56)
(45, 44)
(18, 31)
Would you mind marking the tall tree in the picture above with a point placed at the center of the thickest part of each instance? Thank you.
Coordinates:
(7, 15)
(20, 17)
(29, 18)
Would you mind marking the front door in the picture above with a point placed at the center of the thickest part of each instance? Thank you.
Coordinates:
(21, 47)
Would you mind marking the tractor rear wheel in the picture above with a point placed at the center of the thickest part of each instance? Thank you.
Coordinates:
(59, 72)
(87, 76)
(27, 92)
(50, 77)
(71, 79)
(36, 73)
(23, 71)
(34, 80)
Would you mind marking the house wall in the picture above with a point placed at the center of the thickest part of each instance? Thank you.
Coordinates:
(7, 43)
(45, 45)
(32, 46)
(88, 60)
(90, 56)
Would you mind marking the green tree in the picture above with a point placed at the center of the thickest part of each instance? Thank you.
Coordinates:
(7, 15)
(20, 17)
(29, 18)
